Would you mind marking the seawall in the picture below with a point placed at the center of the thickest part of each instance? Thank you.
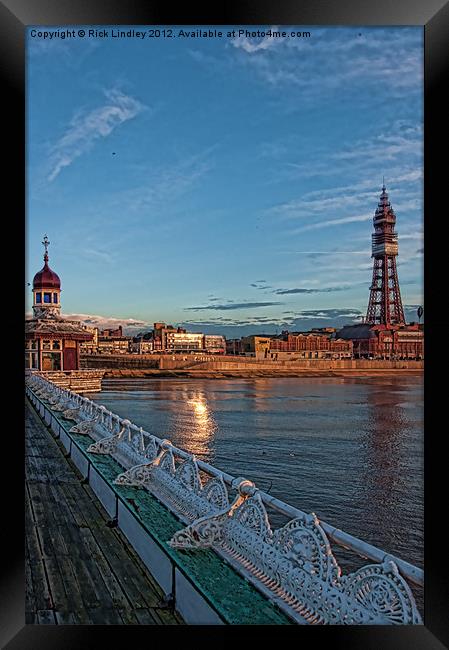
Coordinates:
(142, 366)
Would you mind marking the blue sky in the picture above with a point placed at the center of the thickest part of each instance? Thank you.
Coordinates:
(225, 183)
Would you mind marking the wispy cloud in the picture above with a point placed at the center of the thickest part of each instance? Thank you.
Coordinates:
(316, 254)
(129, 325)
(330, 223)
(402, 187)
(102, 256)
(233, 305)
(342, 57)
(283, 292)
(330, 313)
(261, 285)
(86, 128)
(253, 44)
(163, 185)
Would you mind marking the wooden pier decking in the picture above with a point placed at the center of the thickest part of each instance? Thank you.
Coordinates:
(78, 570)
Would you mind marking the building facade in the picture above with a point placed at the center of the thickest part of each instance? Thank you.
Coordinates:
(256, 345)
(214, 344)
(396, 342)
(318, 344)
(312, 345)
(234, 346)
(182, 341)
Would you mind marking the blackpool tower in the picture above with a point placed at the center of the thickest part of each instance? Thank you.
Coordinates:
(385, 305)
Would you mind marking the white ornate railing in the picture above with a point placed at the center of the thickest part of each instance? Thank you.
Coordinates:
(293, 566)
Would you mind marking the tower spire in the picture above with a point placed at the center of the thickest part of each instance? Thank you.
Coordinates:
(385, 305)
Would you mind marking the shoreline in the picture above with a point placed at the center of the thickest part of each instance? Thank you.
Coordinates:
(111, 374)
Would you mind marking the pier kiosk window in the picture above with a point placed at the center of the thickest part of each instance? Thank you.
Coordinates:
(51, 355)
(51, 361)
(31, 354)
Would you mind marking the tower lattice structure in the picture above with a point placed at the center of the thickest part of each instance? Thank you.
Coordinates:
(385, 304)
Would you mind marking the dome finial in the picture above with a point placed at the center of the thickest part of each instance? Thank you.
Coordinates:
(46, 243)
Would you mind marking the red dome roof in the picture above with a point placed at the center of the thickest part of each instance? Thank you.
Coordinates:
(46, 278)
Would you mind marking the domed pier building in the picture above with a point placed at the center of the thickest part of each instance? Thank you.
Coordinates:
(51, 341)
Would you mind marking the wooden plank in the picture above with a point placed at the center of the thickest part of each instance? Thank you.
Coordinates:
(46, 540)
(38, 579)
(105, 616)
(46, 617)
(30, 598)
(89, 580)
(75, 603)
(75, 502)
(113, 585)
(145, 617)
(42, 512)
(56, 584)
(133, 581)
(167, 616)
(65, 618)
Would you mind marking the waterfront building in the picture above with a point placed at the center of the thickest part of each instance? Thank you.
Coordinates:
(316, 344)
(160, 330)
(385, 334)
(112, 333)
(214, 343)
(51, 341)
(177, 339)
(400, 342)
(234, 346)
(256, 345)
(109, 341)
(140, 346)
(113, 345)
(112, 341)
(182, 341)
(90, 347)
(142, 343)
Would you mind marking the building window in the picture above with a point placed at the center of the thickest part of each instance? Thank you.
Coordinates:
(47, 297)
(31, 360)
(55, 297)
(56, 345)
(51, 361)
(46, 345)
(38, 298)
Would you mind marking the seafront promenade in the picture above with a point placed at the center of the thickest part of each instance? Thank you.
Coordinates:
(207, 367)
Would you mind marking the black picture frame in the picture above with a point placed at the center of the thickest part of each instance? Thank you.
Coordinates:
(433, 15)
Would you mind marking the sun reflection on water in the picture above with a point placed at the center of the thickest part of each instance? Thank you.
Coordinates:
(198, 424)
